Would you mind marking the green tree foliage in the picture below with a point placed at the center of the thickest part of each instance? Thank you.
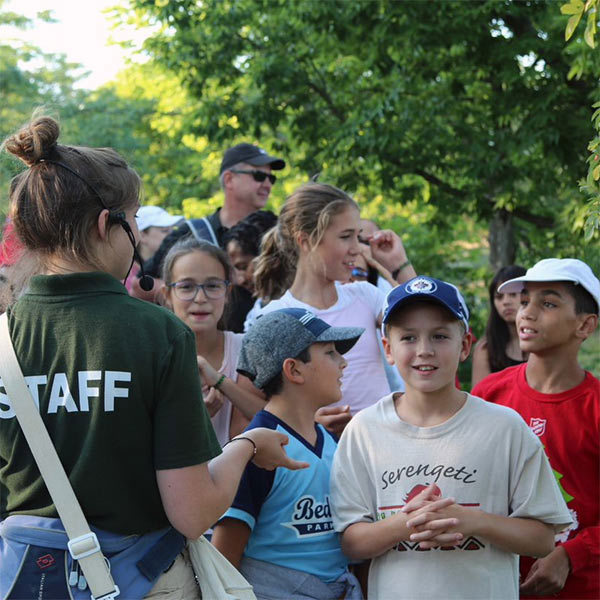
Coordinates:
(462, 106)
(586, 61)
(28, 78)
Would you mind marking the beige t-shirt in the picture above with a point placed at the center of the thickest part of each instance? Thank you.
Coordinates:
(484, 456)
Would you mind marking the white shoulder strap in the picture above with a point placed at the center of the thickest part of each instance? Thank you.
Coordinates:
(83, 544)
(211, 231)
(202, 230)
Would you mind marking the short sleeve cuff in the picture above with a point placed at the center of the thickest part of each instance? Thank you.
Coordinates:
(240, 515)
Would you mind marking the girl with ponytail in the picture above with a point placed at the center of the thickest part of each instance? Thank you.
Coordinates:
(304, 262)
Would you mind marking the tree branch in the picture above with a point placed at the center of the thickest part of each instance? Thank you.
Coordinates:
(431, 179)
(328, 100)
(540, 221)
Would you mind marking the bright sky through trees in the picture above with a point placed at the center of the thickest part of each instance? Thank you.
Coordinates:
(82, 32)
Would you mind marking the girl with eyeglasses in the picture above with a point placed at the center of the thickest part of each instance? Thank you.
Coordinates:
(304, 262)
(197, 279)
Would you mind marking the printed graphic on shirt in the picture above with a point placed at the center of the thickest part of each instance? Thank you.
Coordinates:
(310, 517)
(470, 544)
(563, 536)
(538, 426)
(433, 472)
(383, 512)
(72, 398)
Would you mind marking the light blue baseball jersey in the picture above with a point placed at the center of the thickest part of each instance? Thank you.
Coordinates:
(289, 512)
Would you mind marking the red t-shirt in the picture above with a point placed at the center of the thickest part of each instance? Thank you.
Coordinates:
(568, 425)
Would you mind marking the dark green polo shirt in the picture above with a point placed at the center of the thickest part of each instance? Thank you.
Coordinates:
(118, 388)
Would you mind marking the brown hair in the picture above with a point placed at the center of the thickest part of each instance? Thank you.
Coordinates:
(190, 244)
(309, 210)
(57, 200)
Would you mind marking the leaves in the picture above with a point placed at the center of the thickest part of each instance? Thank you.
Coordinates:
(577, 9)
(572, 25)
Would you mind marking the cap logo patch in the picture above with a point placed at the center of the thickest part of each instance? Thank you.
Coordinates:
(421, 286)
(262, 151)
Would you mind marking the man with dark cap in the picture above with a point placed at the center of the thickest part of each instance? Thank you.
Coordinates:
(246, 180)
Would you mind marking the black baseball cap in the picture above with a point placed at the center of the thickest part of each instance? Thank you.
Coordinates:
(253, 155)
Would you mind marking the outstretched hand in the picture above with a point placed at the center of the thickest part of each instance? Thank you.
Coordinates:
(333, 418)
(270, 453)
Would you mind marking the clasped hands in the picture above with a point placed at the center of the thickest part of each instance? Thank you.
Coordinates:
(434, 521)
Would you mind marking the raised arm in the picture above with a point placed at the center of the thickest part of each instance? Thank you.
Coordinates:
(243, 395)
(195, 497)
(387, 249)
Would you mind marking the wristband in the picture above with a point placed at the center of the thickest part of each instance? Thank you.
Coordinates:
(402, 266)
(241, 437)
(219, 382)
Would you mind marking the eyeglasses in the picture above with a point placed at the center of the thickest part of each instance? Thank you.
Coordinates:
(214, 289)
(258, 176)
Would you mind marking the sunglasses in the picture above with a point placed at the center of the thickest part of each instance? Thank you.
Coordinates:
(258, 176)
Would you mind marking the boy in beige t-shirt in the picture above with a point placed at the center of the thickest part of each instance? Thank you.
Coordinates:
(441, 489)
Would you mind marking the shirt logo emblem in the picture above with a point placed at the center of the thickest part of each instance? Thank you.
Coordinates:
(311, 518)
(538, 426)
(43, 562)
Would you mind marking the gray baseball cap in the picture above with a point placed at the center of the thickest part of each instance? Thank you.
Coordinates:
(285, 333)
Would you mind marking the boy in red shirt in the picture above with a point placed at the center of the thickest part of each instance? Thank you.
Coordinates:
(559, 400)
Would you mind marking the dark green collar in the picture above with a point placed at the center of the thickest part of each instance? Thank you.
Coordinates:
(75, 283)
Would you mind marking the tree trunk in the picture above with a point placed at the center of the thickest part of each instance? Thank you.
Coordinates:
(502, 240)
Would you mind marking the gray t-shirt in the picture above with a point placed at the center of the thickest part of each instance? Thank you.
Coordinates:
(484, 456)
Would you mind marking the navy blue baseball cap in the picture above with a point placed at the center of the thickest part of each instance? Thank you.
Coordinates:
(439, 291)
(285, 333)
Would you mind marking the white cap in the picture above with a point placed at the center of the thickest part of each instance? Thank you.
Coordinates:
(155, 216)
(557, 269)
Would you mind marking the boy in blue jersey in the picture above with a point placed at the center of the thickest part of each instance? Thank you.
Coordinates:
(279, 530)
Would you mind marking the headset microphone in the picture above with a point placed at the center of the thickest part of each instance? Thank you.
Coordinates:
(146, 281)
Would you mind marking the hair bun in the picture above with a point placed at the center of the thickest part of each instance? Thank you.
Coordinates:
(34, 141)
